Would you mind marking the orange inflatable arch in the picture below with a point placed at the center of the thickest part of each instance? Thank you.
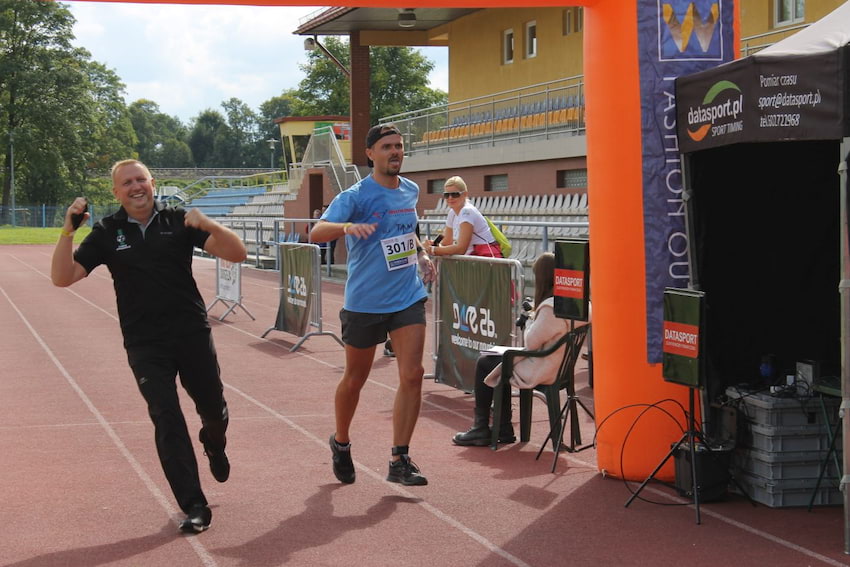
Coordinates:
(630, 442)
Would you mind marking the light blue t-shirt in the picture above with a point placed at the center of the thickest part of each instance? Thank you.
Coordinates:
(371, 287)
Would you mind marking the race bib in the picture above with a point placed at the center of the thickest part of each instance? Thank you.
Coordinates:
(399, 251)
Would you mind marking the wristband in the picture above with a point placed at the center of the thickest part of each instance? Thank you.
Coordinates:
(345, 227)
(66, 233)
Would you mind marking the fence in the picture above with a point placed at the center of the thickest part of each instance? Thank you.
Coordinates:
(48, 216)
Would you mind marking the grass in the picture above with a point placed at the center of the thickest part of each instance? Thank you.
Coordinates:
(26, 235)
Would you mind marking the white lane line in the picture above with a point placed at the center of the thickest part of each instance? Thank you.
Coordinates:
(469, 532)
(200, 550)
(752, 530)
(745, 527)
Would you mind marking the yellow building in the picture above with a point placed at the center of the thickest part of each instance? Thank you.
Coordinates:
(514, 123)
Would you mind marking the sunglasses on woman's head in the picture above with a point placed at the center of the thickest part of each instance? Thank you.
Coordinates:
(454, 194)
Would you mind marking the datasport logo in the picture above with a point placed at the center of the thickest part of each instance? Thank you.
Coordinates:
(719, 112)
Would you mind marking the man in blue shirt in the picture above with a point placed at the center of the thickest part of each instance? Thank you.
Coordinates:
(384, 294)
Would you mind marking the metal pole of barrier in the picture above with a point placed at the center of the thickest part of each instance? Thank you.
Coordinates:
(276, 239)
(228, 287)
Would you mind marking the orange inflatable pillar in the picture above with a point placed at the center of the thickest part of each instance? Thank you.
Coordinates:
(631, 440)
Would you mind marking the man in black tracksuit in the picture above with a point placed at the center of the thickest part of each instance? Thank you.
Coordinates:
(148, 249)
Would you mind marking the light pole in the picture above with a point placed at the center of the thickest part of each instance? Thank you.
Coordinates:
(12, 172)
(271, 142)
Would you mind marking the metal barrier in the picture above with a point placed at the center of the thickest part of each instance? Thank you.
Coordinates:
(228, 287)
(300, 306)
(242, 228)
(476, 303)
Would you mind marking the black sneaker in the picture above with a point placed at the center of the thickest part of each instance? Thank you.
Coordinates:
(388, 349)
(219, 463)
(405, 471)
(197, 520)
(343, 465)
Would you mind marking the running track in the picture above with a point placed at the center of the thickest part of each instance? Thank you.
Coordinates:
(81, 484)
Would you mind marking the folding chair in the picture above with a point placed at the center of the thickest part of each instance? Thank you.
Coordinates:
(558, 415)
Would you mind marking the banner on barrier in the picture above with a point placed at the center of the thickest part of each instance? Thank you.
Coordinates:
(475, 312)
(300, 307)
(228, 287)
(296, 277)
(229, 281)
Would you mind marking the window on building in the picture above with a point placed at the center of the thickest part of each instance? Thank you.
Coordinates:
(573, 20)
(571, 178)
(436, 185)
(508, 46)
(531, 39)
(496, 182)
(790, 12)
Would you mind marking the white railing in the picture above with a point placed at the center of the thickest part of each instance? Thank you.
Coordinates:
(755, 43)
(543, 109)
(269, 181)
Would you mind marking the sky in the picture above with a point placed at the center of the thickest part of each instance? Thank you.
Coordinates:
(191, 58)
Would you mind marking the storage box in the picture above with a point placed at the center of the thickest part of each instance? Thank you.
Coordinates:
(787, 493)
(765, 409)
(784, 466)
(773, 439)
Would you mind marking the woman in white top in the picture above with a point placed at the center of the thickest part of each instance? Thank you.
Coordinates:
(542, 332)
(466, 231)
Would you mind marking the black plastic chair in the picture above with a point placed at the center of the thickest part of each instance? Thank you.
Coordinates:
(558, 415)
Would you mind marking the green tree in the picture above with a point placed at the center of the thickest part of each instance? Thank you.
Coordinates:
(61, 115)
(114, 136)
(244, 135)
(276, 107)
(399, 82)
(325, 88)
(162, 138)
(208, 128)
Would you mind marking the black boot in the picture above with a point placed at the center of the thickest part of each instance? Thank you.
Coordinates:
(479, 434)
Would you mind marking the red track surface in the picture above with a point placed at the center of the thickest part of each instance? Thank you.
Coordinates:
(81, 484)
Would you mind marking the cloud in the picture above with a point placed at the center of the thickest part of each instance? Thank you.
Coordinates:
(188, 58)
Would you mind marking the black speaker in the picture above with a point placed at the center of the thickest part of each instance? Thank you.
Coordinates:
(712, 471)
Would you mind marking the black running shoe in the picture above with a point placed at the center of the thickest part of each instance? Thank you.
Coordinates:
(219, 463)
(388, 349)
(197, 520)
(405, 471)
(343, 465)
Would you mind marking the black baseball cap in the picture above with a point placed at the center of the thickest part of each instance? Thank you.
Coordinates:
(376, 133)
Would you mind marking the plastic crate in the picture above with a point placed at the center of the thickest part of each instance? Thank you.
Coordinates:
(786, 439)
(765, 409)
(783, 466)
(788, 493)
